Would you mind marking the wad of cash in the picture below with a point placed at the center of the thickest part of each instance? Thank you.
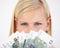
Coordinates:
(32, 39)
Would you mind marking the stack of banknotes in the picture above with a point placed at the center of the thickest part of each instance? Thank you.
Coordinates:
(32, 39)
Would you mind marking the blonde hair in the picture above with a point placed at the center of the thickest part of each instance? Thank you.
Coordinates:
(26, 5)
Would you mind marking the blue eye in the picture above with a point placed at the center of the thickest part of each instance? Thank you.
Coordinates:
(24, 24)
(37, 23)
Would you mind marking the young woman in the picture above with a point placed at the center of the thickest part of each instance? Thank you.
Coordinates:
(31, 15)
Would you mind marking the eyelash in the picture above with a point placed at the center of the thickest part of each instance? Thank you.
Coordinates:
(38, 24)
(25, 24)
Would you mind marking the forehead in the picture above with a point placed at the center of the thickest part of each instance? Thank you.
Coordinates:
(33, 15)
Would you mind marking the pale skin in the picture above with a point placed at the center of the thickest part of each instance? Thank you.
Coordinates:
(32, 20)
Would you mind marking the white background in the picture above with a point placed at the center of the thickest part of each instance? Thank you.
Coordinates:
(6, 12)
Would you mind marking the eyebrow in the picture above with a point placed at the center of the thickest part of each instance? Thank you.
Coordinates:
(33, 22)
